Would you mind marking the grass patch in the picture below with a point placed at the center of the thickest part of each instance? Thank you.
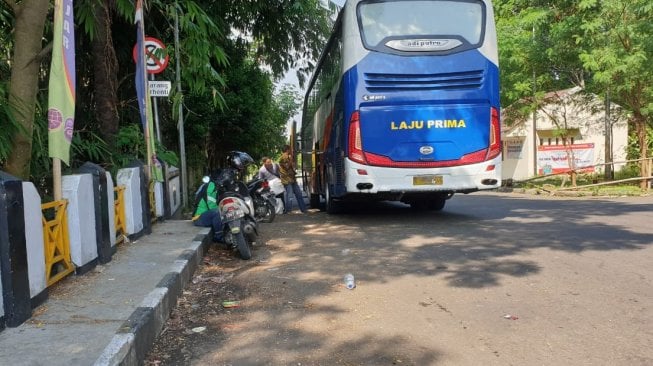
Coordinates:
(553, 183)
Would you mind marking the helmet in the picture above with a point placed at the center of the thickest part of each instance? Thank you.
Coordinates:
(239, 160)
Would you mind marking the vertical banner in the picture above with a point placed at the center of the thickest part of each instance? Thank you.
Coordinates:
(143, 95)
(61, 89)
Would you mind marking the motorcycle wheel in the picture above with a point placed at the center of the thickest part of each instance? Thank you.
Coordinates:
(270, 212)
(242, 246)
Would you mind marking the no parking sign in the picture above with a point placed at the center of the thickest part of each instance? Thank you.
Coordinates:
(156, 59)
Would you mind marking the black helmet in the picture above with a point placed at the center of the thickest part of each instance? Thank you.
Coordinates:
(239, 160)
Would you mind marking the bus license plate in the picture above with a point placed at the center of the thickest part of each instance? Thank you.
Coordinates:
(427, 180)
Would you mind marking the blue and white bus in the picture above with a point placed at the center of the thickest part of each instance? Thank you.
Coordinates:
(404, 104)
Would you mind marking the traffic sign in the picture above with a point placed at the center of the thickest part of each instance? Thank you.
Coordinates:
(156, 59)
(159, 88)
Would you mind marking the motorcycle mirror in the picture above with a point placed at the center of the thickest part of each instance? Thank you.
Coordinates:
(206, 179)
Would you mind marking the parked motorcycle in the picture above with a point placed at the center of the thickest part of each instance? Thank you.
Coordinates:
(264, 200)
(278, 191)
(236, 207)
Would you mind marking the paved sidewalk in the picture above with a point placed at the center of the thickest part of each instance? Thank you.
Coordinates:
(110, 315)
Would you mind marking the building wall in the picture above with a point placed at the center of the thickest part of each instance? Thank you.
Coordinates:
(585, 113)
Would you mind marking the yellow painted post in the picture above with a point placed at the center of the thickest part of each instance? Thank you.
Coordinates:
(56, 242)
(119, 213)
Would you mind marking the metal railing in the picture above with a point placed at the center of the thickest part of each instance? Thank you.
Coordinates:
(573, 174)
(119, 213)
(56, 242)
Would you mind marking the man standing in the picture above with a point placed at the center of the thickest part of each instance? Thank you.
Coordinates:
(287, 172)
(269, 170)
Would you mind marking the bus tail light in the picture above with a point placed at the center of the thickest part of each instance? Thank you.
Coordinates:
(357, 154)
(355, 143)
(495, 136)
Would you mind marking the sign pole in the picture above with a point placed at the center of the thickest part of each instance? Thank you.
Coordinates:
(155, 104)
(180, 125)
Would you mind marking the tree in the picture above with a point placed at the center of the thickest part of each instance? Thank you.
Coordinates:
(277, 36)
(599, 45)
(29, 20)
(286, 34)
(10, 127)
(619, 54)
(537, 49)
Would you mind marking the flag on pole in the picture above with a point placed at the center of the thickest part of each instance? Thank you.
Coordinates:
(143, 95)
(61, 95)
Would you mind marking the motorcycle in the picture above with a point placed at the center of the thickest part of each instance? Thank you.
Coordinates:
(277, 191)
(264, 200)
(236, 207)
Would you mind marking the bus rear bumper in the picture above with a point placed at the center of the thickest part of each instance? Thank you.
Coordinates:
(365, 179)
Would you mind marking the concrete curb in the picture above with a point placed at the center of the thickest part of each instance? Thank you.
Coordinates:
(135, 337)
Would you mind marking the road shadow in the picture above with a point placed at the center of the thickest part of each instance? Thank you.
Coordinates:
(288, 291)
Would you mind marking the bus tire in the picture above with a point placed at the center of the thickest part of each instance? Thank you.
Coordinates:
(332, 206)
(315, 200)
(419, 205)
(437, 204)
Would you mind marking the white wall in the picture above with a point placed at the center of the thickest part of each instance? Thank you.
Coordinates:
(158, 199)
(78, 190)
(111, 202)
(34, 239)
(130, 178)
(577, 113)
(174, 194)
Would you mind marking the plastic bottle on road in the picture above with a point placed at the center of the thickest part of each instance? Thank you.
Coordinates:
(349, 281)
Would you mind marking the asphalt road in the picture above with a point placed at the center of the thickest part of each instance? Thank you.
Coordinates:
(493, 279)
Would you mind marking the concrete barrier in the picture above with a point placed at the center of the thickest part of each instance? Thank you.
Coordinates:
(173, 201)
(78, 190)
(14, 276)
(111, 211)
(130, 178)
(34, 240)
(101, 209)
(158, 200)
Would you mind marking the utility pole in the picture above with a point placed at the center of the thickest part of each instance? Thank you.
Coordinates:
(609, 171)
(180, 123)
(535, 171)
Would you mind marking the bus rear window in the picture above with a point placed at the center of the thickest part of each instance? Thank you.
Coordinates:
(422, 20)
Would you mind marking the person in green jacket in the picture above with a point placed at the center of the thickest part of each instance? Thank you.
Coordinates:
(206, 213)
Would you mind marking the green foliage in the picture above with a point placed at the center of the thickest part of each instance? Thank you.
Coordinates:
(10, 126)
(602, 46)
(166, 156)
(200, 54)
(286, 33)
(621, 49)
(129, 146)
(227, 103)
(88, 146)
(252, 121)
(633, 148)
(537, 50)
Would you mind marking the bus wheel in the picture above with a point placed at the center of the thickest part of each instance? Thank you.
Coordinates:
(315, 200)
(419, 205)
(332, 206)
(437, 204)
